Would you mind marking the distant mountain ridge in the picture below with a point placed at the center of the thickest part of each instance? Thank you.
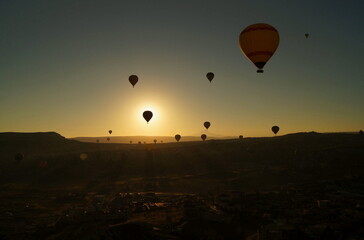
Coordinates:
(147, 139)
(34, 137)
(43, 142)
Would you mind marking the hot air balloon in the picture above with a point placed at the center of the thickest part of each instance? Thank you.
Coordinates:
(306, 35)
(131, 142)
(155, 141)
(207, 125)
(83, 156)
(259, 42)
(147, 115)
(110, 131)
(97, 140)
(108, 139)
(275, 129)
(361, 132)
(210, 76)
(43, 164)
(133, 79)
(177, 137)
(203, 136)
(18, 157)
(241, 137)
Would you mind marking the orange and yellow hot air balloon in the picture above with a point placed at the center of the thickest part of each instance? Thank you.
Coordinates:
(259, 42)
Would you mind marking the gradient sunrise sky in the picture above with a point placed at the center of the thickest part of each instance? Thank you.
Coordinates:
(64, 67)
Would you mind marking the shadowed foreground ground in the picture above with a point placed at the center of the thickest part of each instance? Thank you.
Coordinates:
(299, 186)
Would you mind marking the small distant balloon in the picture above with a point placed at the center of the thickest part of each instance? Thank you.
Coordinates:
(210, 76)
(108, 139)
(307, 35)
(131, 142)
(18, 157)
(110, 131)
(139, 142)
(241, 137)
(155, 140)
(203, 137)
(161, 141)
(43, 164)
(207, 125)
(177, 137)
(275, 129)
(361, 132)
(83, 156)
(133, 79)
(147, 115)
(97, 140)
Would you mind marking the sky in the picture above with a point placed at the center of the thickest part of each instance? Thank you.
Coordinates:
(64, 67)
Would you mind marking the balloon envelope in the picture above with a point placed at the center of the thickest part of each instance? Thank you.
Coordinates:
(18, 157)
(133, 79)
(108, 139)
(275, 129)
(306, 35)
(83, 156)
(241, 137)
(147, 115)
(155, 140)
(177, 137)
(207, 125)
(258, 42)
(43, 164)
(203, 136)
(110, 131)
(210, 76)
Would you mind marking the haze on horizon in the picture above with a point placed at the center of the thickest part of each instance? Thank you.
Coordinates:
(64, 67)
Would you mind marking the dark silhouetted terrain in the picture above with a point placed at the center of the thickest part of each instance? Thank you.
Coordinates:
(297, 186)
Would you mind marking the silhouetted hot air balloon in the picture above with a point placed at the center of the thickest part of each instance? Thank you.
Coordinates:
(83, 156)
(259, 42)
(131, 142)
(110, 131)
(18, 157)
(108, 139)
(203, 136)
(155, 140)
(207, 125)
(177, 137)
(361, 132)
(97, 140)
(133, 79)
(43, 164)
(210, 76)
(275, 129)
(306, 35)
(241, 137)
(147, 115)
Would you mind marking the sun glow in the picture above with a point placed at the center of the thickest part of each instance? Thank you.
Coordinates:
(151, 108)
